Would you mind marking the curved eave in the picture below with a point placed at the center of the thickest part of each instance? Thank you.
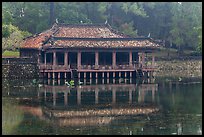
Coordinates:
(146, 49)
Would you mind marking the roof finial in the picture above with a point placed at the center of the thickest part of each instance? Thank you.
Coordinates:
(106, 22)
(56, 20)
(148, 35)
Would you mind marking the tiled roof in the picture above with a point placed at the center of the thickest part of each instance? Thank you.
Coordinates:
(102, 43)
(84, 35)
(87, 32)
(36, 41)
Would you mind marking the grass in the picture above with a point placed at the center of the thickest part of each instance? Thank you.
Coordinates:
(165, 53)
(11, 54)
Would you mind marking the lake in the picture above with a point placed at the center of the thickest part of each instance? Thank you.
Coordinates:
(160, 106)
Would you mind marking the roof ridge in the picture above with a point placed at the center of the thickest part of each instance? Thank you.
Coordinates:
(99, 39)
(81, 25)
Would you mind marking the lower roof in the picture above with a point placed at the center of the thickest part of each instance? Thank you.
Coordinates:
(101, 43)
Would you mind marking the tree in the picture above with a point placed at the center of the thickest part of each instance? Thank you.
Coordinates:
(176, 23)
(185, 17)
(13, 41)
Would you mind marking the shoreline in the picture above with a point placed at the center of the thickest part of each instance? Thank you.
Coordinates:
(182, 68)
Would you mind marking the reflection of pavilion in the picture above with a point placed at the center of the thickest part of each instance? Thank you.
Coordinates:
(111, 91)
(123, 100)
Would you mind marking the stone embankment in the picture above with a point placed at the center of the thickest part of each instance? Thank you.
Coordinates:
(182, 68)
(19, 68)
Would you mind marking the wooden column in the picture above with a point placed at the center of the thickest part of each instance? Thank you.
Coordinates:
(54, 58)
(53, 75)
(153, 59)
(113, 74)
(58, 75)
(143, 59)
(102, 74)
(108, 75)
(140, 58)
(96, 75)
(125, 74)
(130, 74)
(45, 59)
(65, 75)
(48, 74)
(84, 75)
(79, 75)
(65, 59)
(130, 58)
(114, 59)
(119, 74)
(96, 59)
(90, 75)
(79, 60)
(39, 57)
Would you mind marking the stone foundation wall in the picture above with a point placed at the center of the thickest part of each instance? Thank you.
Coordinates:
(19, 68)
(182, 68)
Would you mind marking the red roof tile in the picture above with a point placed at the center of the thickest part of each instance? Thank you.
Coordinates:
(36, 41)
(87, 32)
(82, 34)
(103, 43)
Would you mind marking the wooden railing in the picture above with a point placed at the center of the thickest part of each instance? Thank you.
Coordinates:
(94, 67)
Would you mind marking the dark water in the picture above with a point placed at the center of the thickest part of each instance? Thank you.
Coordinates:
(160, 106)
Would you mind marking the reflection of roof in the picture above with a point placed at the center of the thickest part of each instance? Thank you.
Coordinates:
(92, 117)
(85, 35)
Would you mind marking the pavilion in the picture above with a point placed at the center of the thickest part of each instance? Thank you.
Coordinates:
(89, 51)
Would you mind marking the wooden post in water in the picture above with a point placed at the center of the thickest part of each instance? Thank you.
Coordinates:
(113, 95)
(65, 98)
(78, 96)
(96, 95)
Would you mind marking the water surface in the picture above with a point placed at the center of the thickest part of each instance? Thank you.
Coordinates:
(137, 107)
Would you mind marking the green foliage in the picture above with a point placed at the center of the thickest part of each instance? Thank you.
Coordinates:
(10, 54)
(199, 36)
(127, 28)
(177, 23)
(12, 37)
(133, 7)
(186, 16)
(7, 30)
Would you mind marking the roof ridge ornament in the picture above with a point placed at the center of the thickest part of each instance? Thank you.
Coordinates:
(148, 35)
(106, 22)
(56, 20)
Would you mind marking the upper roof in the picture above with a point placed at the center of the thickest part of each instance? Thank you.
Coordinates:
(84, 35)
(87, 31)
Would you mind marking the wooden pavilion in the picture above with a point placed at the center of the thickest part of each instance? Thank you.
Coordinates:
(90, 51)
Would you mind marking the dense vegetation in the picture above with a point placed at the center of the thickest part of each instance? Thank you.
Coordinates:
(179, 24)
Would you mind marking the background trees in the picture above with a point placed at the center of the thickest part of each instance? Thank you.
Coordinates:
(178, 23)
